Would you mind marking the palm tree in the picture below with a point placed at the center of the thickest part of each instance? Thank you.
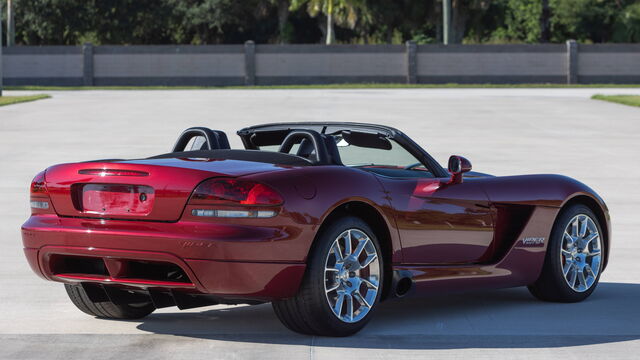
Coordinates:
(342, 12)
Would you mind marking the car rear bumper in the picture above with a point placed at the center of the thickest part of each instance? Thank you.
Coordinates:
(191, 257)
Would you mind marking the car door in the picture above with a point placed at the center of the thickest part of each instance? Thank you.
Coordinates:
(439, 222)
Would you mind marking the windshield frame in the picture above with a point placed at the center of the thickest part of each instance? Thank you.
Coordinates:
(247, 134)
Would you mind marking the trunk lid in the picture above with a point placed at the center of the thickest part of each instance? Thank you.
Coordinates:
(149, 189)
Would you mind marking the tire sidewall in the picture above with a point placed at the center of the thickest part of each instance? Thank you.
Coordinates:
(553, 253)
(316, 276)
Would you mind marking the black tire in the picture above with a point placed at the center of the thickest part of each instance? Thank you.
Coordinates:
(106, 309)
(551, 285)
(309, 311)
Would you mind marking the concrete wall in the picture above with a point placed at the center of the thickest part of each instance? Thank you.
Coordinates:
(168, 65)
(604, 63)
(250, 64)
(45, 65)
(321, 64)
(492, 64)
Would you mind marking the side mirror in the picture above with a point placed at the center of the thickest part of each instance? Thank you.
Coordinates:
(458, 165)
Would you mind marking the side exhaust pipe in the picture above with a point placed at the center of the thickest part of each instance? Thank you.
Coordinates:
(403, 287)
(402, 284)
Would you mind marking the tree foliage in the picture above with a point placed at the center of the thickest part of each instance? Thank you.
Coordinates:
(346, 13)
(72, 22)
(627, 25)
(521, 21)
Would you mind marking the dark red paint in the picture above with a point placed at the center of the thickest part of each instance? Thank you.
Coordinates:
(447, 235)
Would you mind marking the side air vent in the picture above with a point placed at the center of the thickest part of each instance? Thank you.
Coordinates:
(511, 220)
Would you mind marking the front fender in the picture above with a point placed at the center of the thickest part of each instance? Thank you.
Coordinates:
(550, 191)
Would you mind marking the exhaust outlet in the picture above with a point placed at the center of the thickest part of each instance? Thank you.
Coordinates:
(402, 283)
(403, 286)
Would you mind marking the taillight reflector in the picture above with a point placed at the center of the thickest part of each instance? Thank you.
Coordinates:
(233, 213)
(39, 204)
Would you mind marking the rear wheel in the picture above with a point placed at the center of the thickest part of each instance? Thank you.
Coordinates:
(106, 309)
(573, 261)
(342, 285)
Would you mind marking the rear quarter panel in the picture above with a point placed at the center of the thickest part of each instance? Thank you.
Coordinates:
(312, 193)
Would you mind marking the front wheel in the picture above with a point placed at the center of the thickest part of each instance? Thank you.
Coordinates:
(342, 284)
(573, 262)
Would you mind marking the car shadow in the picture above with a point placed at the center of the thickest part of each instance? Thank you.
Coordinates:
(509, 318)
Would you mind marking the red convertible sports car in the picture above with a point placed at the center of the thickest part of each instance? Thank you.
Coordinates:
(323, 220)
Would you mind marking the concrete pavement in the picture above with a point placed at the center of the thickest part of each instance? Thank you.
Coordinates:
(502, 131)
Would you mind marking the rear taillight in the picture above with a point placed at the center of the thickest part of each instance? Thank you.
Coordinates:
(249, 199)
(37, 184)
(235, 192)
(39, 201)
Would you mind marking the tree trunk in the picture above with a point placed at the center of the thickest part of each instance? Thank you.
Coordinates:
(330, 33)
(438, 19)
(545, 22)
(283, 18)
(460, 15)
(11, 27)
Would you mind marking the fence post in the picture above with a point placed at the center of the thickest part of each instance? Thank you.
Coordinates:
(412, 62)
(1, 49)
(572, 62)
(249, 63)
(87, 64)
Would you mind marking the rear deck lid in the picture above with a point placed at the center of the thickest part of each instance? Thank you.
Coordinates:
(151, 189)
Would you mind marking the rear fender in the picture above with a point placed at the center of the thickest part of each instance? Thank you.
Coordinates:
(312, 194)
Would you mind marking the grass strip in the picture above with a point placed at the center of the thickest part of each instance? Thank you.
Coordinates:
(9, 100)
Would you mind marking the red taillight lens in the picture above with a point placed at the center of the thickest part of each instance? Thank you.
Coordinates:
(39, 196)
(38, 185)
(231, 191)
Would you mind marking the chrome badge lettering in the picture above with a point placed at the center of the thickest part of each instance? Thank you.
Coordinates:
(200, 244)
(533, 241)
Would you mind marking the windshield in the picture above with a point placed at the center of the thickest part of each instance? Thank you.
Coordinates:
(392, 160)
(369, 151)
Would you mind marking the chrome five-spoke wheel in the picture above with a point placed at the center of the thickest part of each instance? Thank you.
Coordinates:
(580, 254)
(352, 275)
